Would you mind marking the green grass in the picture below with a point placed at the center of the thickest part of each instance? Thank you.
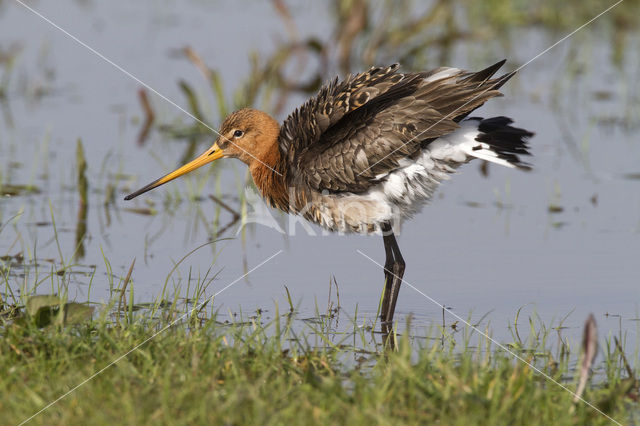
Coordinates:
(202, 371)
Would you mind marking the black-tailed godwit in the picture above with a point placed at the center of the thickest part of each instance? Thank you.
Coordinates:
(369, 151)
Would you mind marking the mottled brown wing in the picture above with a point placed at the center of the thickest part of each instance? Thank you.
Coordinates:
(305, 125)
(393, 121)
(370, 140)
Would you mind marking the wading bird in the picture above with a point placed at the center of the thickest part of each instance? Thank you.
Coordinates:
(369, 151)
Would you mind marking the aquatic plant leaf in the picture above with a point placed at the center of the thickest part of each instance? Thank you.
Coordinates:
(74, 313)
(43, 309)
(36, 303)
(49, 309)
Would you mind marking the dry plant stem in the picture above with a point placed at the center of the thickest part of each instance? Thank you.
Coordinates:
(225, 206)
(148, 114)
(590, 349)
(627, 366)
(124, 287)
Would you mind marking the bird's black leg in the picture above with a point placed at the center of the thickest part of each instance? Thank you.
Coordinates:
(393, 272)
(388, 268)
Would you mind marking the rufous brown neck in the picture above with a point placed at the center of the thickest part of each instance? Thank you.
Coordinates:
(268, 171)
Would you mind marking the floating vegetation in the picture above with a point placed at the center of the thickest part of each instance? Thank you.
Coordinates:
(11, 190)
(145, 211)
(46, 310)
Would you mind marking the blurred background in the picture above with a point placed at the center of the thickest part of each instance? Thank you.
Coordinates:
(77, 134)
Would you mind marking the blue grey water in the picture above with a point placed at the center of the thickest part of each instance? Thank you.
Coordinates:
(484, 245)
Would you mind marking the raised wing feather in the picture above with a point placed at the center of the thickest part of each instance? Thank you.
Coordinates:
(357, 131)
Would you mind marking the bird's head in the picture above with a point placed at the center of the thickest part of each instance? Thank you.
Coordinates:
(247, 134)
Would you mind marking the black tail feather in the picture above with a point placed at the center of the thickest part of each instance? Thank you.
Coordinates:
(507, 141)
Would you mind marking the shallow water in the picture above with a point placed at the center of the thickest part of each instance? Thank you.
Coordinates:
(484, 245)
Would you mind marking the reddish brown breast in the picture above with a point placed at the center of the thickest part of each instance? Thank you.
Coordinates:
(269, 175)
(267, 166)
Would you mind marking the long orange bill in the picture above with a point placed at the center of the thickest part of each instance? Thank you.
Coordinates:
(208, 156)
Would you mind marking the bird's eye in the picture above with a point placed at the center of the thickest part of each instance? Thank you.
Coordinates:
(238, 134)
